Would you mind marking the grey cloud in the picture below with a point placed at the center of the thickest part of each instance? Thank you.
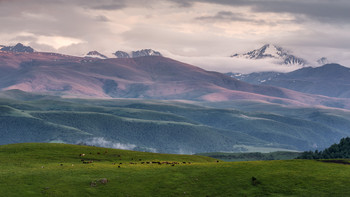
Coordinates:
(100, 30)
(321, 10)
(227, 16)
(102, 18)
(50, 20)
(109, 7)
(24, 39)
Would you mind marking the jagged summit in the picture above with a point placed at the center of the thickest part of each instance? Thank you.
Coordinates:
(121, 54)
(273, 52)
(96, 54)
(145, 52)
(139, 53)
(17, 48)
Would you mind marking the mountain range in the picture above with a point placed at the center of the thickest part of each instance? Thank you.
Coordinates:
(152, 77)
(331, 80)
(123, 54)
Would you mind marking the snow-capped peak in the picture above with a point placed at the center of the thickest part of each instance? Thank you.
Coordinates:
(121, 54)
(145, 52)
(272, 52)
(134, 54)
(95, 54)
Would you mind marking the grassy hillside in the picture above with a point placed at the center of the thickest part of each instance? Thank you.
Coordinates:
(57, 170)
(168, 126)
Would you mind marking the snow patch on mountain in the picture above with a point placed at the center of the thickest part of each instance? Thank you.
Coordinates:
(145, 52)
(139, 53)
(121, 54)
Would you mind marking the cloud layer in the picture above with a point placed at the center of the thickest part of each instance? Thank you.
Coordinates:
(187, 29)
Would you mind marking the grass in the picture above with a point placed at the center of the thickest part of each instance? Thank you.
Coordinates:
(57, 170)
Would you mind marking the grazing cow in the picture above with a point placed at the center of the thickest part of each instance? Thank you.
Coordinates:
(118, 166)
(104, 180)
(255, 181)
(81, 155)
(93, 184)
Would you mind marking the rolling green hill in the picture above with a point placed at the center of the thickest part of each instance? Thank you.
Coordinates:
(168, 126)
(61, 170)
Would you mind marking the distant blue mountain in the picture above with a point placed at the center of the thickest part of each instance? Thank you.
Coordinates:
(329, 80)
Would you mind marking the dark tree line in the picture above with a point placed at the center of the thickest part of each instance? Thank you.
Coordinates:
(336, 151)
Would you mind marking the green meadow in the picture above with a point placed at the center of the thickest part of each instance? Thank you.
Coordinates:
(43, 169)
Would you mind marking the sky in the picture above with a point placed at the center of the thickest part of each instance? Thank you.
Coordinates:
(200, 32)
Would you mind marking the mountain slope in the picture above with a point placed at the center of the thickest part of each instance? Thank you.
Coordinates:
(144, 77)
(329, 80)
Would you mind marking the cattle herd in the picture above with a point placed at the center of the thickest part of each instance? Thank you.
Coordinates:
(173, 163)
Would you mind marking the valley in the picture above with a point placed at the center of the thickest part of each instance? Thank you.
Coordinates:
(168, 126)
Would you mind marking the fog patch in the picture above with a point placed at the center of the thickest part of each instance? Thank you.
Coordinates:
(101, 142)
(146, 149)
(182, 151)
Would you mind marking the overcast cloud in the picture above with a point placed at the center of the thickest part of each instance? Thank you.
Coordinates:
(201, 32)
